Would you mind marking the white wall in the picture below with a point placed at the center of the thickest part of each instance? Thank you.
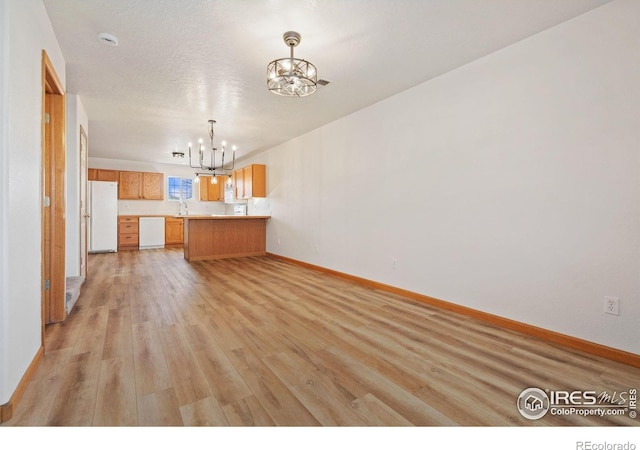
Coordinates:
(75, 116)
(4, 201)
(510, 185)
(26, 32)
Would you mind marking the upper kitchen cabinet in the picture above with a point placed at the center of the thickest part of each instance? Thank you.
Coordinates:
(140, 186)
(250, 181)
(254, 181)
(212, 192)
(102, 175)
(238, 183)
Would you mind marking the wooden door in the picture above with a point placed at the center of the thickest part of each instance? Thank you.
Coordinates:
(53, 201)
(84, 246)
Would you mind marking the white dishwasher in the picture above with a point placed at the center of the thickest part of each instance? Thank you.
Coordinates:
(151, 232)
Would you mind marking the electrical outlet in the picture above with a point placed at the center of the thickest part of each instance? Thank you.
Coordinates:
(394, 263)
(612, 306)
(317, 248)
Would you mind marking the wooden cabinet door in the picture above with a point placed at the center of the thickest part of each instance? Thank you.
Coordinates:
(203, 187)
(152, 186)
(258, 180)
(173, 231)
(223, 182)
(129, 185)
(214, 189)
(107, 175)
(102, 175)
(212, 192)
(238, 182)
(254, 181)
(247, 179)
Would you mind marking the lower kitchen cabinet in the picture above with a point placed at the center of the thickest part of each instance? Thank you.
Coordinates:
(173, 231)
(128, 234)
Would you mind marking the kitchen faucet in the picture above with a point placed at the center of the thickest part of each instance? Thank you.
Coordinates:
(186, 209)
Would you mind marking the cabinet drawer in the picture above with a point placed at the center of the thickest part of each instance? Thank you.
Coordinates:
(127, 219)
(128, 227)
(128, 239)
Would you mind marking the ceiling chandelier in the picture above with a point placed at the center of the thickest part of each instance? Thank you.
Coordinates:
(292, 77)
(212, 168)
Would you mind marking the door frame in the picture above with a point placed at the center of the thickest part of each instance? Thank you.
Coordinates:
(84, 213)
(53, 204)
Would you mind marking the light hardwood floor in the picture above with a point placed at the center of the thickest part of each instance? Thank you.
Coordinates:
(156, 340)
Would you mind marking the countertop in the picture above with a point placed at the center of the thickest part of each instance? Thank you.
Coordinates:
(219, 217)
(196, 216)
(145, 215)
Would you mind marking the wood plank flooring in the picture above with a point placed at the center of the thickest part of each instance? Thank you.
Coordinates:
(157, 341)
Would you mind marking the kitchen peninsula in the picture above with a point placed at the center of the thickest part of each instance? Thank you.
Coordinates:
(221, 236)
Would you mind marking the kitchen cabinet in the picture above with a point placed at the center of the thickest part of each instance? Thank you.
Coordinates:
(173, 231)
(238, 183)
(140, 186)
(212, 192)
(128, 234)
(217, 237)
(250, 181)
(102, 175)
(254, 181)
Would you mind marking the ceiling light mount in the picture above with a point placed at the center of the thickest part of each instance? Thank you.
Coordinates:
(292, 38)
(108, 39)
(292, 77)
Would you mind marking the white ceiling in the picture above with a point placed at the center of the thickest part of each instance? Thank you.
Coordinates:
(182, 62)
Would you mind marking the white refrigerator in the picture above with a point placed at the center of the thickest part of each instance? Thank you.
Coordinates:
(103, 216)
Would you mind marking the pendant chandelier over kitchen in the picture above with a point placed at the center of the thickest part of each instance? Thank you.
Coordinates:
(211, 168)
(292, 77)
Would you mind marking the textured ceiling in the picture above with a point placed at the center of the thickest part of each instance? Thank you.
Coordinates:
(182, 62)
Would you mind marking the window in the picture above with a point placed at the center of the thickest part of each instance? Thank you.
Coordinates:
(179, 188)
